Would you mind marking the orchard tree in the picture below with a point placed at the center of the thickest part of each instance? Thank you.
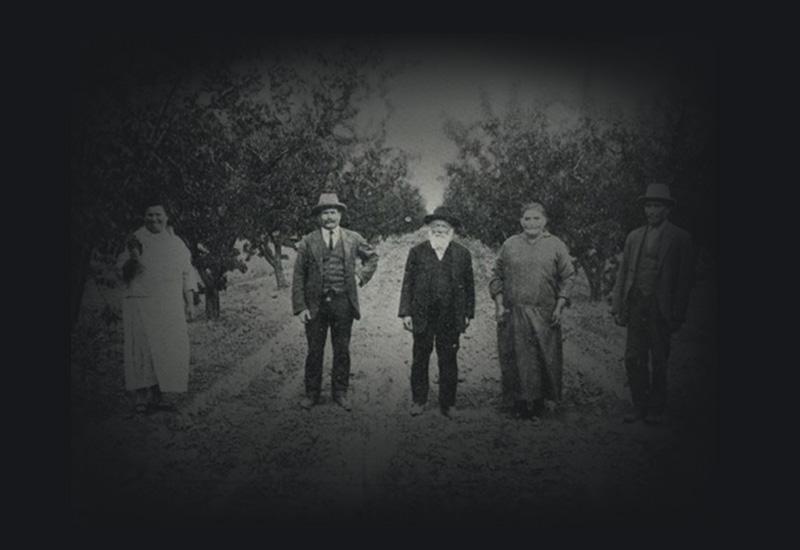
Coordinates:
(583, 175)
(380, 198)
(122, 107)
(239, 145)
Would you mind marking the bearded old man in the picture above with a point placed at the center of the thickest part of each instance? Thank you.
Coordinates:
(650, 297)
(437, 302)
(325, 295)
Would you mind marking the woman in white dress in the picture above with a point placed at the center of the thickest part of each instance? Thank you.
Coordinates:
(157, 270)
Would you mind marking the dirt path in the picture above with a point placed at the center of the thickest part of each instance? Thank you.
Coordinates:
(240, 448)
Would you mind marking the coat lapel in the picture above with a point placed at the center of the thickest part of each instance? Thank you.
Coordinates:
(453, 262)
(637, 247)
(316, 243)
(346, 244)
(663, 245)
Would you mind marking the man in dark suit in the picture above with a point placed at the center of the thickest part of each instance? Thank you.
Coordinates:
(650, 297)
(325, 295)
(437, 302)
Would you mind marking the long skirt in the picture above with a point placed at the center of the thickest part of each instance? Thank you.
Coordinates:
(530, 356)
(156, 344)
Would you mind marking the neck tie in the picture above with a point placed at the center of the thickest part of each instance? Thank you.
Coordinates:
(330, 239)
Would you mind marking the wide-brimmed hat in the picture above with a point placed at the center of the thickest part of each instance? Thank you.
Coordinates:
(658, 192)
(443, 213)
(328, 200)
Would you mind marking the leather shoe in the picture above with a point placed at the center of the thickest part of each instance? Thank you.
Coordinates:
(307, 402)
(633, 416)
(416, 409)
(450, 412)
(168, 407)
(654, 419)
(343, 402)
(521, 410)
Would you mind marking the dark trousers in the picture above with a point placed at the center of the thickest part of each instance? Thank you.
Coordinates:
(441, 332)
(335, 313)
(648, 338)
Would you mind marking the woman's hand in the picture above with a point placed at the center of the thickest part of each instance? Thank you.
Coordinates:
(408, 324)
(134, 247)
(188, 304)
(557, 312)
(499, 313)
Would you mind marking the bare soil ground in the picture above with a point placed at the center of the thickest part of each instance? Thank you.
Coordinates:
(239, 450)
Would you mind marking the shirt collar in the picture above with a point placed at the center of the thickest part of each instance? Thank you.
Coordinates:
(440, 252)
(337, 233)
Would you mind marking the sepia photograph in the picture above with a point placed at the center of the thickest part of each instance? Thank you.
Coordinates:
(393, 280)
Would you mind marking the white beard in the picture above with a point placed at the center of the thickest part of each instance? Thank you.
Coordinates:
(440, 242)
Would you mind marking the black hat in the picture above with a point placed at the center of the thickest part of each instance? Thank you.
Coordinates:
(443, 213)
(658, 192)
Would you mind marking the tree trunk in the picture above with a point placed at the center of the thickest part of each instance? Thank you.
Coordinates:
(211, 284)
(594, 274)
(79, 259)
(610, 277)
(280, 276)
(212, 303)
(596, 287)
(275, 261)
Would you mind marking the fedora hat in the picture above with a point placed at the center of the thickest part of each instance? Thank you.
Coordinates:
(443, 213)
(328, 200)
(658, 192)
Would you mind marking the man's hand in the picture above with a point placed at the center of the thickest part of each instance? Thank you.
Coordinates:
(407, 324)
(466, 322)
(305, 316)
(618, 320)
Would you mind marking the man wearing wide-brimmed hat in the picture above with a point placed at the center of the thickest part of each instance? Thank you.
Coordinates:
(650, 297)
(325, 295)
(437, 301)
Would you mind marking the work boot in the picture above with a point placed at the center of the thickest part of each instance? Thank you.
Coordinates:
(521, 410)
(343, 402)
(654, 419)
(634, 415)
(450, 412)
(307, 402)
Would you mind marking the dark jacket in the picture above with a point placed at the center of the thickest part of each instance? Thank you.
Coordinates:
(417, 290)
(307, 276)
(675, 273)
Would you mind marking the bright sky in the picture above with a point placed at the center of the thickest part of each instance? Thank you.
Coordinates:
(440, 82)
